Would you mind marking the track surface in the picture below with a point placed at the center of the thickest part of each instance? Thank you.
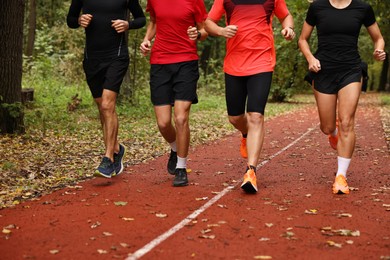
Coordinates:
(293, 216)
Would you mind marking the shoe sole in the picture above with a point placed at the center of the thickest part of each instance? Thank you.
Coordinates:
(171, 172)
(99, 174)
(248, 187)
(180, 184)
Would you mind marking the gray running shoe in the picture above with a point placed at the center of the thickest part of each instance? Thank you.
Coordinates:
(105, 169)
(118, 160)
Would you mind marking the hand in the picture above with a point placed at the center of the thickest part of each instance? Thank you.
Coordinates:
(314, 65)
(145, 47)
(85, 20)
(120, 26)
(192, 33)
(379, 55)
(229, 31)
(288, 33)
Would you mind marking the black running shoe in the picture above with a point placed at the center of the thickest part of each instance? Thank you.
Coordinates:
(180, 178)
(172, 162)
(105, 169)
(118, 160)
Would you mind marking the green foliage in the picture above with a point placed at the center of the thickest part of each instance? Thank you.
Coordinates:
(15, 110)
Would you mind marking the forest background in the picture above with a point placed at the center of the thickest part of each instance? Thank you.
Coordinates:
(59, 139)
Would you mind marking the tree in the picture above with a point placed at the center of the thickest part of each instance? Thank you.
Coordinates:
(11, 49)
(32, 25)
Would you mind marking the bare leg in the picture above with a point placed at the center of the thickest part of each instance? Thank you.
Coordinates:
(255, 137)
(109, 120)
(164, 122)
(182, 112)
(326, 105)
(348, 101)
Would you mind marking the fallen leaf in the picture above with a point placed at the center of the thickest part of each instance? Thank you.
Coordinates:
(311, 212)
(6, 231)
(107, 234)
(334, 244)
(203, 198)
(161, 215)
(54, 251)
(269, 224)
(207, 237)
(120, 203)
(101, 251)
(262, 239)
(345, 215)
(124, 245)
(263, 257)
(128, 219)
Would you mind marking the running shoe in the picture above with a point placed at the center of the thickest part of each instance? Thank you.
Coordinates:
(243, 150)
(106, 168)
(180, 177)
(334, 139)
(118, 160)
(172, 161)
(249, 184)
(340, 185)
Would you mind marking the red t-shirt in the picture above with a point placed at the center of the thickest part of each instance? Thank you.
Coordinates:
(251, 50)
(173, 17)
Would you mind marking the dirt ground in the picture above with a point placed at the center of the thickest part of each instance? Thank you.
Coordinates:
(293, 216)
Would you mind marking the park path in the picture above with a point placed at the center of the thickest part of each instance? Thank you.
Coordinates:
(293, 216)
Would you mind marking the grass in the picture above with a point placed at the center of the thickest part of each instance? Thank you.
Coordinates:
(62, 147)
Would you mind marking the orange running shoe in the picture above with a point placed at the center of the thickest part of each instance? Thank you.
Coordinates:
(243, 150)
(334, 139)
(340, 185)
(249, 184)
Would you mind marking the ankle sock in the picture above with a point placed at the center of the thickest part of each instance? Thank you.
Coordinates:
(181, 163)
(343, 164)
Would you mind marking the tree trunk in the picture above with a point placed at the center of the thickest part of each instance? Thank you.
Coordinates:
(32, 25)
(11, 49)
(383, 77)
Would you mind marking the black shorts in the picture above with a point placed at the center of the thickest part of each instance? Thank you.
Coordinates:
(331, 81)
(105, 73)
(255, 88)
(176, 81)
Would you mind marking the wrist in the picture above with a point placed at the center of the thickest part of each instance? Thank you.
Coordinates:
(199, 35)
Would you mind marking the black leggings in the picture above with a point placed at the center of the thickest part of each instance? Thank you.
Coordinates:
(255, 88)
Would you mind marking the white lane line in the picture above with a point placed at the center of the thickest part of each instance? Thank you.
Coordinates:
(155, 242)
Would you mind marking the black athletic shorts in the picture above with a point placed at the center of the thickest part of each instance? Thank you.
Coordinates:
(252, 90)
(105, 73)
(331, 81)
(176, 81)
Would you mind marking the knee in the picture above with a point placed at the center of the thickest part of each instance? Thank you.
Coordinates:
(346, 125)
(181, 121)
(255, 119)
(236, 120)
(107, 107)
(327, 129)
(163, 125)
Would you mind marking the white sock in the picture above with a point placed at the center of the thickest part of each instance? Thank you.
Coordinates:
(181, 163)
(343, 164)
(173, 146)
(335, 132)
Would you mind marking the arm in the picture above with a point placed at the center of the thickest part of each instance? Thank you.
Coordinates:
(215, 30)
(197, 33)
(150, 33)
(288, 27)
(139, 18)
(314, 64)
(73, 19)
(379, 43)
